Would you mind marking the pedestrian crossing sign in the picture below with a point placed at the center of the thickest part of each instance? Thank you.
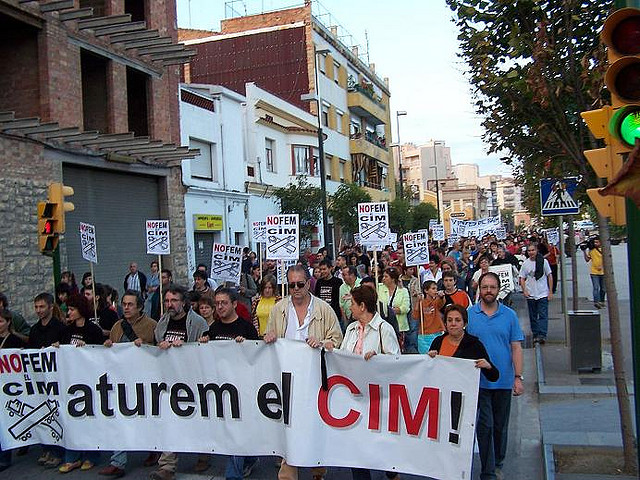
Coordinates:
(557, 196)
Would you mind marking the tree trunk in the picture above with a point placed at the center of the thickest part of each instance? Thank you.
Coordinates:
(574, 264)
(624, 406)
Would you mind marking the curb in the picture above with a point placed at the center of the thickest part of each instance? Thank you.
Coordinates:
(549, 462)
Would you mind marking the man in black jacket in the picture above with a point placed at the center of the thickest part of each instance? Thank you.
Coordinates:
(135, 280)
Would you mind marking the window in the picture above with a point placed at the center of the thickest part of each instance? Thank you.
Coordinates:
(339, 120)
(325, 115)
(354, 126)
(327, 166)
(336, 72)
(305, 160)
(268, 154)
(321, 62)
(342, 167)
(203, 166)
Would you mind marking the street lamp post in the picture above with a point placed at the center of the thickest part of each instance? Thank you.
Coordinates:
(435, 167)
(400, 113)
(326, 232)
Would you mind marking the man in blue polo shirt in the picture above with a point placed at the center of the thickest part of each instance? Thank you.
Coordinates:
(498, 329)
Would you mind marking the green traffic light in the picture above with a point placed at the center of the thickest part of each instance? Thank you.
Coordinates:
(630, 127)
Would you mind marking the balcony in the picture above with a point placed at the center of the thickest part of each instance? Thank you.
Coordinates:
(370, 145)
(363, 102)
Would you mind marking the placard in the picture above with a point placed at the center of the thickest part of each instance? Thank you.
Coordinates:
(158, 241)
(259, 232)
(416, 248)
(283, 234)
(88, 242)
(437, 232)
(373, 223)
(226, 263)
(553, 236)
(501, 233)
(505, 272)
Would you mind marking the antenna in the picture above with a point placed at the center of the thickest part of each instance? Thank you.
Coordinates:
(366, 39)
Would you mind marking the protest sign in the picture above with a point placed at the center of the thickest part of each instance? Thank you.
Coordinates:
(505, 272)
(501, 233)
(432, 222)
(453, 238)
(553, 236)
(88, 242)
(437, 232)
(356, 239)
(416, 248)
(158, 242)
(419, 411)
(373, 223)
(226, 261)
(283, 234)
(259, 232)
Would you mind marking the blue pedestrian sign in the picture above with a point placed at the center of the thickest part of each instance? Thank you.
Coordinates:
(557, 196)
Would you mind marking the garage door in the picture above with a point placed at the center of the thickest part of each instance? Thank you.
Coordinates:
(118, 205)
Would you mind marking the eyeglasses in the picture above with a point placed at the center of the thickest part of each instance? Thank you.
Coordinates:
(293, 285)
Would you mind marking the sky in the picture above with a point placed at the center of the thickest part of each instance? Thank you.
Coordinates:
(414, 43)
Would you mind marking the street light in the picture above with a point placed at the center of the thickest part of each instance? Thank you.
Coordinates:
(434, 166)
(323, 181)
(400, 113)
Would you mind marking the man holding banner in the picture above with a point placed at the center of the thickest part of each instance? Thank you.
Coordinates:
(301, 316)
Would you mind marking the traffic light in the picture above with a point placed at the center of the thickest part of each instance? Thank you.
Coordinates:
(57, 192)
(47, 238)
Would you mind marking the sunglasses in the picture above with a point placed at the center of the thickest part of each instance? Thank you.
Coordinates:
(293, 285)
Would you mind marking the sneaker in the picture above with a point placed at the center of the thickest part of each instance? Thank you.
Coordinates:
(112, 471)
(152, 459)
(248, 468)
(69, 466)
(53, 462)
(201, 465)
(87, 465)
(162, 475)
(44, 458)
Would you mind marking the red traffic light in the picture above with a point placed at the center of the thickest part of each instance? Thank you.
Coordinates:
(625, 37)
(48, 227)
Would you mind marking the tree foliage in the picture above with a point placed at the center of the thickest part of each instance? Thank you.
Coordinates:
(400, 217)
(304, 199)
(534, 66)
(422, 213)
(343, 206)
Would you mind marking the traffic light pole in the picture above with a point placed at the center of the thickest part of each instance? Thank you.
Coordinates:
(56, 266)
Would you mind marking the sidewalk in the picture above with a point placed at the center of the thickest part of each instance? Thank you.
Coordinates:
(576, 409)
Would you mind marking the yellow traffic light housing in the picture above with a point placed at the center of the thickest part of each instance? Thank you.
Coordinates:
(47, 238)
(57, 192)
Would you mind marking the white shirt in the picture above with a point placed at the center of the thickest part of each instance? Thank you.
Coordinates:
(294, 330)
(537, 289)
(379, 337)
(427, 274)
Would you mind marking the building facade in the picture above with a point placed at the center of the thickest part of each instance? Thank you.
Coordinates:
(89, 99)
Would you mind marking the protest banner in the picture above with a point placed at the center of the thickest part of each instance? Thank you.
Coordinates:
(474, 228)
(283, 234)
(226, 262)
(416, 248)
(505, 272)
(437, 232)
(259, 232)
(419, 411)
(88, 242)
(158, 242)
(373, 223)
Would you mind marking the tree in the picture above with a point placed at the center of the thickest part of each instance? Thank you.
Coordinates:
(422, 213)
(400, 218)
(343, 206)
(507, 217)
(534, 66)
(304, 199)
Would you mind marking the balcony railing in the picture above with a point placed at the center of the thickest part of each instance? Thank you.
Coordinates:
(371, 138)
(367, 90)
(375, 186)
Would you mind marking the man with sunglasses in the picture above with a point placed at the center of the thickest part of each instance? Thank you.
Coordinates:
(303, 317)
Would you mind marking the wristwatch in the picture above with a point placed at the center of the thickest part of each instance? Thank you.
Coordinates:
(520, 377)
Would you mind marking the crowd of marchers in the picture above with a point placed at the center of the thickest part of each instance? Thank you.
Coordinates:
(366, 303)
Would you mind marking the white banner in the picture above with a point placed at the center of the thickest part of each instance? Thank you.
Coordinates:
(158, 242)
(416, 248)
(373, 223)
(553, 236)
(226, 262)
(437, 231)
(88, 242)
(283, 237)
(501, 233)
(419, 411)
(474, 228)
(259, 232)
(505, 272)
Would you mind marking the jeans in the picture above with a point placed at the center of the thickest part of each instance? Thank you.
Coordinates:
(494, 407)
(235, 466)
(411, 337)
(598, 288)
(5, 457)
(554, 272)
(539, 316)
(76, 455)
(119, 459)
(365, 474)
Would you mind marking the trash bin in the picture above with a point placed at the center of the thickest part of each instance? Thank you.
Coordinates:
(585, 342)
